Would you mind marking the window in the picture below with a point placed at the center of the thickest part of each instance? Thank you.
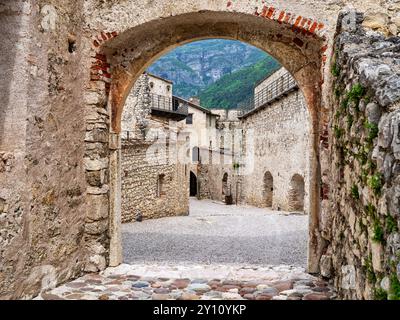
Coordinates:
(189, 118)
(222, 142)
(160, 185)
(196, 154)
(168, 88)
(152, 85)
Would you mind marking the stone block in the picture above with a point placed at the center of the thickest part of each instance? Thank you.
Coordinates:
(97, 135)
(95, 178)
(385, 135)
(97, 207)
(377, 255)
(97, 190)
(373, 112)
(95, 164)
(348, 277)
(376, 21)
(97, 227)
(326, 266)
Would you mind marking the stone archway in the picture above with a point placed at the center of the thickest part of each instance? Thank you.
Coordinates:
(296, 193)
(297, 43)
(268, 189)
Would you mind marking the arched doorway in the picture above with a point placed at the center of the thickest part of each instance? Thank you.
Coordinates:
(193, 184)
(268, 189)
(225, 190)
(129, 53)
(296, 193)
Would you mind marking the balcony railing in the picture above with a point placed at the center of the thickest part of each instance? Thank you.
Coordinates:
(167, 104)
(270, 93)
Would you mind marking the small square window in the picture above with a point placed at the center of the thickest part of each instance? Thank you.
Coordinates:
(189, 118)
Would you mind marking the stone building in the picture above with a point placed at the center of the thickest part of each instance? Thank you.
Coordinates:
(219, 176)
(277, 146)
(154, 180)
(262, 153)
(199, 128)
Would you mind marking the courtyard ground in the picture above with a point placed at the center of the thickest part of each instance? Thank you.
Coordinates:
(217, 252)
(217, 233)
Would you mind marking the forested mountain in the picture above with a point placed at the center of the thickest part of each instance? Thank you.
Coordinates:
(200, 69)
(237, 88)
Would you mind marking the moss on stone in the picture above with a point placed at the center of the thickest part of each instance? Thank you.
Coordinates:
(344, 104)
(362, 156)
(354, 192)
(371, 166)
(372, 131)
(369, 270)
(370, 210)
(394, 292)
(391, 224)
(379, 234)
(380, 294)
(338, 93)
(349, 120)
(356, 93)
(375, 183)
(338, 132)
(335, 70)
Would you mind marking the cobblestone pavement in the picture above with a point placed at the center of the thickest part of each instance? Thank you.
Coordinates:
(194, 282)
(216, 233)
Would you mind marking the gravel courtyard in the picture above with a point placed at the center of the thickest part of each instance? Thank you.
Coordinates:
(216, 233)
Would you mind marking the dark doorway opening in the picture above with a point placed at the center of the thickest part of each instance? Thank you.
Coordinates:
(193, 184)
(268, 189)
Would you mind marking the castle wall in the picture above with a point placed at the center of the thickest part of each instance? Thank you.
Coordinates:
(360, 212)
(277, 142)
(142, 168)
(154, 179)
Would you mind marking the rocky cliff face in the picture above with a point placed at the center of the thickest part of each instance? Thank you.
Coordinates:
(194, 66)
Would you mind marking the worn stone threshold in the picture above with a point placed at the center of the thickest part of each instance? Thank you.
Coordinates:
(195, 282)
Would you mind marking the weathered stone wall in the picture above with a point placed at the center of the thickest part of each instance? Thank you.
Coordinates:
(141, 168)
(277, 142)
(224, 136)
(210, 178)
(160, 86)
(42, 133)
(274, 139)
(363, 220)
(151, 148)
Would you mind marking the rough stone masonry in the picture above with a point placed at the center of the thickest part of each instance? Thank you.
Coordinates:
(67, 68)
